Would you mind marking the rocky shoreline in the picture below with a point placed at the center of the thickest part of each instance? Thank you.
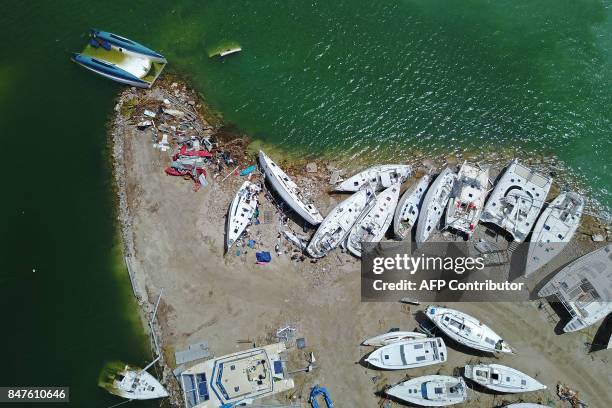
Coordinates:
(313, 176)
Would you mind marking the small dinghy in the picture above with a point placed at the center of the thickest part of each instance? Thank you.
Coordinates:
(409, 354)
(434, 203)
(467, 198)
(500, 378)
(466, 330)
(289, 191)
(584, 288)
(241, 212)
(374, 221)
(407, 210)
(337, 225)
(554, 229)
(120, 59)
(392, 337)
(517, 200)
(378, 177)
(431, 391)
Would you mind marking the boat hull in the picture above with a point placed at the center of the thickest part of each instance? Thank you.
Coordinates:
(408, 208)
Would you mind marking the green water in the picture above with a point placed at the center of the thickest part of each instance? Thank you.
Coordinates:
(358, 78)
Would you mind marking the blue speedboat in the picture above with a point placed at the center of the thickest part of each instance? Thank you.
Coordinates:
(120, 59)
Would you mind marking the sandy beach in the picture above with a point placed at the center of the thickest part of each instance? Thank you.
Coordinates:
(174, 239)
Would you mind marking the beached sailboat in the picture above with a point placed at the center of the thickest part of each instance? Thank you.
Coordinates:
(467, 330)
(337, 225)
(120, 59)
(408, 207)
(377, 177)
(289, 191)
(132, 383)
(584, 288)
(554, 229)
(409, 354)
(241, 212)
(503, 379)
(374, 221)
(433, 204)
(467, 198)
(516, 200)
(392, 337)
(431, 391)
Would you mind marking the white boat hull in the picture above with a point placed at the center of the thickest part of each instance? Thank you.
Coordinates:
(431, 391)
(377, 177)
(502, 379)
(408, 208)
(433, 205)
(406, 354)
(241, 212)
(467, 199)
(392, 337)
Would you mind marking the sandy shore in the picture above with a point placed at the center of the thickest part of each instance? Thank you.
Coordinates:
(173, 238)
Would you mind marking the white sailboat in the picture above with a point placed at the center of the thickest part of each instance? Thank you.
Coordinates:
(289, 191)
(374, 221)
(584, 288)
(241, 212)
(433, 204)
(467, 198)
(516, 200)
(500, 378)
(554, 229)
(136, 384)
(431, 391)
(409, 354)
(377, 177)
(407, 210)
(392, 337)
(467, 330)
(338, 223)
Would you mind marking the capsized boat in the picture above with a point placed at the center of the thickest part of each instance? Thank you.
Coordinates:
(392, 337)
(500, 378)
(374, 221)
(516, 200)
(407, 210)
(236, 379)
(584, 288)
(467, 198)
(466, 330)
(241, 212)
(131, 383)
(289, 191)
(554, 229)
(378, 177)
(338, 223)
(120, 59)
(431, 391)
(434, 203)
(409, 354)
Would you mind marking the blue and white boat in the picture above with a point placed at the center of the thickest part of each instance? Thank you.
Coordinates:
(120, 59)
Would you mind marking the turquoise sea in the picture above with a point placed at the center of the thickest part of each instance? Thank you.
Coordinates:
(360, 79)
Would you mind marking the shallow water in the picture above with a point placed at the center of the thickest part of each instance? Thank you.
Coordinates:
(368, 80)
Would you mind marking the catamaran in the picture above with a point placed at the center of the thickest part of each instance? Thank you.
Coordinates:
(584, 288)
(516, 200)
(120, 59)
(467, 198)
(554, 229)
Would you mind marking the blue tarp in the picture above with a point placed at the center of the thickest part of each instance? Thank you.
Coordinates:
(315, 392)
(263, 256)
(248, 170)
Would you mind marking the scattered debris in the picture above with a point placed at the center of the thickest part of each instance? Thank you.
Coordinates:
(598, 238)
(312, 167)
(571, 396)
